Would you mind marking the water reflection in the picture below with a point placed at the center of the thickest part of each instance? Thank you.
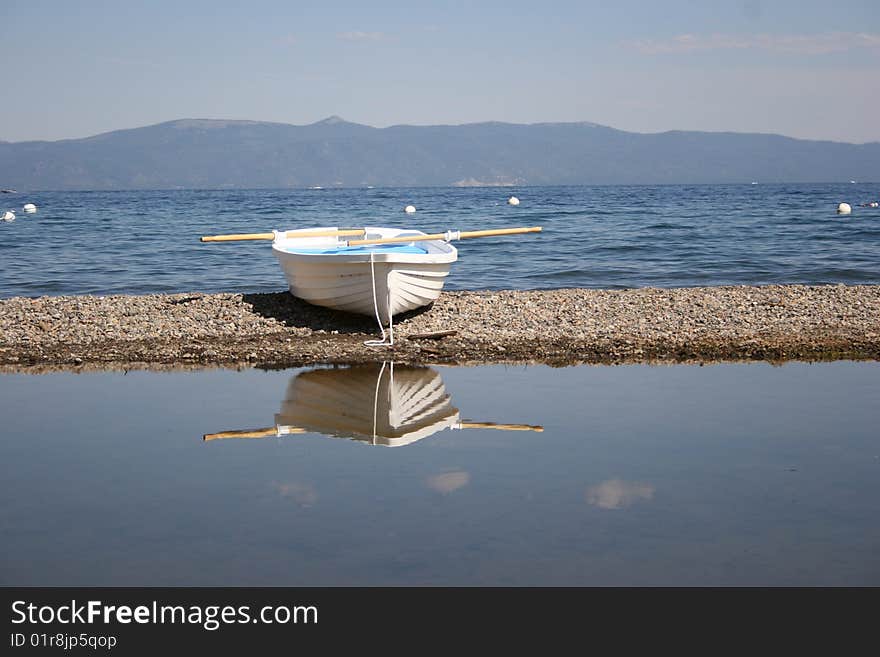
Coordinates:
(379, 404)
(447, 482)
(729, 475)
(617, 494)
(302, 494)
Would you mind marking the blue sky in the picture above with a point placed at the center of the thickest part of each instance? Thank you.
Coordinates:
(804, 69)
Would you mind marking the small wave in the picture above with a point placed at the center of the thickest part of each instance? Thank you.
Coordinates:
(668, 226)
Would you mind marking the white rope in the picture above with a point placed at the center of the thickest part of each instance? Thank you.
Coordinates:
(450, 235)
(376, 398)
(386, 341)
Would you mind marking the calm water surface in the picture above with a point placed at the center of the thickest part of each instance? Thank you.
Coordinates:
(596, 237)
(675, 475)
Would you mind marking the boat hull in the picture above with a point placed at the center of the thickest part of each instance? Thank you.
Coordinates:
(365, 281)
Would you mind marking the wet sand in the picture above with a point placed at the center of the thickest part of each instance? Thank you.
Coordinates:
(557, 327)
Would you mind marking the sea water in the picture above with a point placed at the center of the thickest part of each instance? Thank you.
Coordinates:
(136, 242)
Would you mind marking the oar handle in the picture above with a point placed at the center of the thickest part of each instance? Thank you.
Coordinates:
(347, 232)
(467, 424)
(450, 235)
(238, 238)
(243, 433)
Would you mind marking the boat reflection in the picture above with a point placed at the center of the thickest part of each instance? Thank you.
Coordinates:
(379, 404)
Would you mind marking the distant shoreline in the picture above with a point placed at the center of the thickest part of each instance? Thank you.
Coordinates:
(556, 327)
(379, 188)
(194, 153)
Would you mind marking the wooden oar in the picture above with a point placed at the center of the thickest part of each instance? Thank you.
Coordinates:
(449, 235)
(468, 424)
(251, 433)
(289, 233)
(274, 431)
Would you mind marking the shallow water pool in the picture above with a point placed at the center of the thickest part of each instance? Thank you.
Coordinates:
(729, 474)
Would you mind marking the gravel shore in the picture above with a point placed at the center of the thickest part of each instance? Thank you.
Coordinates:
(774, 322)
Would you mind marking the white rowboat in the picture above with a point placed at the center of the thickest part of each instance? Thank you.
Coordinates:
(377, 279)
(385, 272)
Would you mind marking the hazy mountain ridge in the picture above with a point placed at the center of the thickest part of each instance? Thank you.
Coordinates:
(209, 153)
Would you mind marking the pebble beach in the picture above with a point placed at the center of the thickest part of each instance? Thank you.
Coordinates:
(557, 327)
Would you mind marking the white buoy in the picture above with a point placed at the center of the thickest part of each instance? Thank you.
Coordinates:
(513, 200)
(9, 215)
(875, 204)
(29, 208)
(409, 209)
(844, 208)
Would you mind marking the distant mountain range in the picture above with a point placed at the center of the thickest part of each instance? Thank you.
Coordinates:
(208, 154)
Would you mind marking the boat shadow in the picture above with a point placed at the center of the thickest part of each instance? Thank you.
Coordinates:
(296, 313)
